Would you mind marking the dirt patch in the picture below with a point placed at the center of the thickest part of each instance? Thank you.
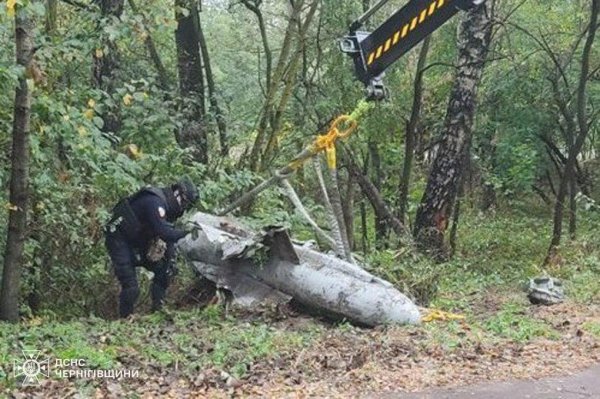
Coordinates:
(353, 362)
(341, 365)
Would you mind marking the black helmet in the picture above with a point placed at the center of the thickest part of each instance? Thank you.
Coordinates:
(188, 191)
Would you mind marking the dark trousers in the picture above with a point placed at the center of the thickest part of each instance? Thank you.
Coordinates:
(125, 259)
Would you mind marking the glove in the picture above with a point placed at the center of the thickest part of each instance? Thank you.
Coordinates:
(156, 250)
(172, 270)
(196, 228)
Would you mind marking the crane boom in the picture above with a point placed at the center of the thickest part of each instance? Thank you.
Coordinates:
(374, 52)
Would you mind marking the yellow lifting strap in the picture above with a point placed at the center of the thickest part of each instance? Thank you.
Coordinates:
(326, 142)
(436, 314)
(341, 127)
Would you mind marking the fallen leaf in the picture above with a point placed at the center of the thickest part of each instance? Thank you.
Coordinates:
(127, 98)
(10, 7)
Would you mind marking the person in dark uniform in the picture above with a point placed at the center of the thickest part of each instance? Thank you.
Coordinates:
(140, 233)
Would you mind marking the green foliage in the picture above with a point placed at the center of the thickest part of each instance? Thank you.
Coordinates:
(497, 254)
(581, 275)
(593, 328)
(197, 340)
(79, 171)
(511, 322)
(415, 275)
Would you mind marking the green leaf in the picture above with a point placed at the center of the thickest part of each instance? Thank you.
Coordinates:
(138, 96)
(98, 122)
(37, 8)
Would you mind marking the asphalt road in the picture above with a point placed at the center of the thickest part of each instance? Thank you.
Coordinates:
(582, 385)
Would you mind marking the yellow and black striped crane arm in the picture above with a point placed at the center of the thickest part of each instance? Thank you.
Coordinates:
(374, 52)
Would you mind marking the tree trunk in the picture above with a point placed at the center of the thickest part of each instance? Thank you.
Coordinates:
(163, 77)
(442, 186)
(454, 228)
(582, 127)
(550, 182)
(212, 94)
(363, 226)
(51, 13)
(363, 208)
(106, 65)
(254, 7)
(191, 80)
(563, 188)
(382, 211)
(289, 80)
(377, 180)
(273, 78)
(333, 189)
(411, 131)
(557, 157)
(573, 209)
(280, 83)
(488, 200)
(348, 204)
(19, 177)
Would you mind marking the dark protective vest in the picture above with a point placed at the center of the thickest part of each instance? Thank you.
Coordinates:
(124, 218)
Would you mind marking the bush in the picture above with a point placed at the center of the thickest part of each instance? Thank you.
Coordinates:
(413, 274)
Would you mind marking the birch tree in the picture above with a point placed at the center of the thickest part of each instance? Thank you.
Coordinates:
(436, 205)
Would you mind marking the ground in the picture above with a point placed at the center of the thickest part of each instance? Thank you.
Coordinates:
(196, 351)
(281, 353)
